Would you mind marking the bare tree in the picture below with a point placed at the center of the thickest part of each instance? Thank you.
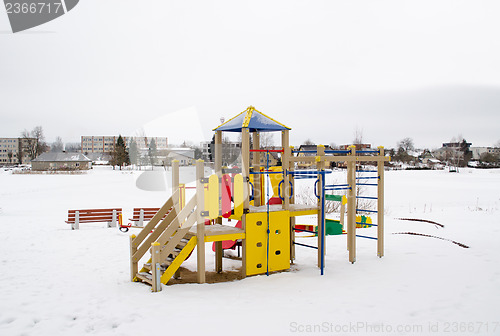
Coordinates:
(9, 155)
(57, 146)
(35, 141)
(73, 147)
(358, 137)
(406, 144)
(266, 139)
(308, 142)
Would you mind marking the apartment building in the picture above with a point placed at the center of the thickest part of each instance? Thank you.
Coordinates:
(229, 149)
(106, 144)
(10, 149)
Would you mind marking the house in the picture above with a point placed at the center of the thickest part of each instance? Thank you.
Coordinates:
(359, 147)
(61, 161)
(99, 158)
(185, 156)
(309, 150)
(478, 151)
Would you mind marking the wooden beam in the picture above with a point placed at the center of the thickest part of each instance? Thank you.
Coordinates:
(133, 264)
(257, 201)
(245, 155)
(200, 228)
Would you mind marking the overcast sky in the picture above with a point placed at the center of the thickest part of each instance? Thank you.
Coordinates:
(429, 70)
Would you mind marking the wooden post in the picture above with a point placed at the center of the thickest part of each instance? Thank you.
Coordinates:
(380, 204)
(286, 190)
(76, 225)
(175, 179)
(245, 158)
(218, 162)
(257, 187)
(342, 215)
(200, 227)
(320, 166)
(351, 206)
(285, 164)
(155, 267)
(218, 256)
(218, 153)
(133, 264)
(291, 168)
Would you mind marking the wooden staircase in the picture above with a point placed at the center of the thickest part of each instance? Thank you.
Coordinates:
(168, 240)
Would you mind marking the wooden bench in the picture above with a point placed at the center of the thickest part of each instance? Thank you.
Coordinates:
(110, 216)
(139, 216)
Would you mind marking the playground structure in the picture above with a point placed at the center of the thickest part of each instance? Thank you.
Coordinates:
(267, 231)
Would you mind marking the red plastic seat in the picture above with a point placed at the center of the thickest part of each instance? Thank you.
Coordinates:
(275, 200)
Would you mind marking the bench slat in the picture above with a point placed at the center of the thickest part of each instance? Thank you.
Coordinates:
(93, 215)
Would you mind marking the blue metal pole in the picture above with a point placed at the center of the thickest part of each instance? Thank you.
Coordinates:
(268, 225)
(323, 223)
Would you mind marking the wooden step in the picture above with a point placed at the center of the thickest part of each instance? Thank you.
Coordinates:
(175, 253)
(182, 243)
(163, 266)
(189, 235)
(146, 277)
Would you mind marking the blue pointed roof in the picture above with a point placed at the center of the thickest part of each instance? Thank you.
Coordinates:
(252, 119)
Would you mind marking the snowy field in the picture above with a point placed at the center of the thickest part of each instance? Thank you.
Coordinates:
(55, 281)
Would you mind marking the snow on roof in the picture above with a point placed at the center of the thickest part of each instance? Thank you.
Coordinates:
(252, 119)
(61, 157)
(174, 154)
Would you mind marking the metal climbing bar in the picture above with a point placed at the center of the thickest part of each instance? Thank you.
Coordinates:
(305, 245)
(266, 172)
(303, 177)
(337, 151)
(339, 188)
(307, 172)
(365, 210)
(367, 197)
(336, 185)
(267, 150)
(367, 237)
(304, 151)
(367, 177)
(367, 184)
(368, 151)
(366, 171)
(370, 224)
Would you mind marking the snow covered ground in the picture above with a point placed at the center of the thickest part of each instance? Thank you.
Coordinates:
(55, 281)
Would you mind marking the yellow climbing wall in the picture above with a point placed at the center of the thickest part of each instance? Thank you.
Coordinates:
(256, 242)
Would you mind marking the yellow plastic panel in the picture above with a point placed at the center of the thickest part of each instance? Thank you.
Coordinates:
(238, 195)
(279, 241)
(256, 242)
(276, 179)
(213, 197)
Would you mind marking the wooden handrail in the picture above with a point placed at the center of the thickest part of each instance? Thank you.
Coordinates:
(165, 229)
(177, 222)
(172, 202)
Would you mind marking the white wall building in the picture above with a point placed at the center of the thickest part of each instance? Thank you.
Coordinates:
(106, 144)
(10, 148)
